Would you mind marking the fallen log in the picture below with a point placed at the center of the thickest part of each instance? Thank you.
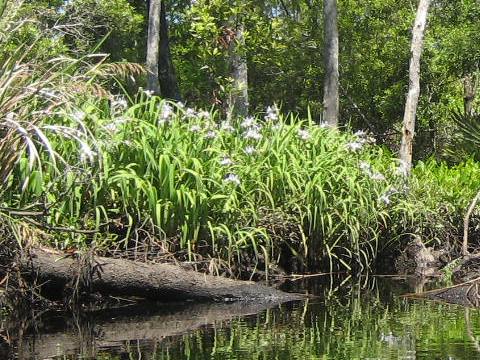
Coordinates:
(55, 272)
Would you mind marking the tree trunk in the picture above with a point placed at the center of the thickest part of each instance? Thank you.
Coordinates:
(408, 129)
(168, 78)
(108, 276)
(153, 40)
(469, 92)
(238, 97)
(331, 82)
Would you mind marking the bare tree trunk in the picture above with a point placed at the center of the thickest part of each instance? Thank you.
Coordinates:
(331, 82)
(153, 40)
(168, 77)
(408, 129)
(469, 93)
(238, 98)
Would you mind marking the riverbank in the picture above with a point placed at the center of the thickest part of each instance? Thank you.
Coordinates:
(247, 197)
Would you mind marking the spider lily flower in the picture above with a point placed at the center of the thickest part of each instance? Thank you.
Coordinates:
(226, 126)
(149, 93)
(211, 135)
(119, 102)
(232, 178)
(354, 146)
(189, 113)
(78, 115)
(253, 134)
(250, 150)
(225, 161)
(402, 169)
(203, 114)
(272, 113)
(365, 167)
(304, 134)
(195, 128)
(166, 112)
(377, 176)
(248, 122)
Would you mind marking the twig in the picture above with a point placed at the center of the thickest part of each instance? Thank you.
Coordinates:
(466, 221)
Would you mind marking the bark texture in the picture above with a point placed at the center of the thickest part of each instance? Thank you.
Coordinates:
(408, 129)
(121, 277)
(238, 99)
(167, 75)
(331, 82)
(153, 41)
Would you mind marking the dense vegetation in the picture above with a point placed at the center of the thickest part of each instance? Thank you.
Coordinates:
(90, 160)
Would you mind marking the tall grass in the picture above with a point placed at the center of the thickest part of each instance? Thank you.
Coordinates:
(245, 191)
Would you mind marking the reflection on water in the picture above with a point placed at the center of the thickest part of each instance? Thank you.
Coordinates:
(364, 319)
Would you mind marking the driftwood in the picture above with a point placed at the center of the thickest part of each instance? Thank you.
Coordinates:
(56, 272)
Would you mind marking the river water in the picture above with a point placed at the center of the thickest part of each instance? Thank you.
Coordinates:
(365, 318)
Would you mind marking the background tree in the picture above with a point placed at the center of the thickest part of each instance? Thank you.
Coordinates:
(331, 82)
(408, 129)
(153, 42)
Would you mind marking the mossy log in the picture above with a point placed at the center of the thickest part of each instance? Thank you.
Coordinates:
(56, 273)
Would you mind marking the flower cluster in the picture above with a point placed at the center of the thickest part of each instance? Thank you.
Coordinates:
(362, 138)
(367, 169)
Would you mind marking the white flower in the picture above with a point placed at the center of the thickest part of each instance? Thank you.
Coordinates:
(195, 128)
(78, 115)
(211, 135)
(203, 114)
(304, 134)
(226, 126)
(253, 134)
(190, 112)
(384, 199)
(354, 146)
(365, 167)
(166, 111)
(247, 122)
(360, 133)
(119, 102)
(233, 178)
(149, 93)
(377, 176)
(272, 113)
(324, 125)
(402, 169)
(86, 153)
(250, 150)
(225, 161)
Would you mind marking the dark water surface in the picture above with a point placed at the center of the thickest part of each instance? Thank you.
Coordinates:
(361, 319)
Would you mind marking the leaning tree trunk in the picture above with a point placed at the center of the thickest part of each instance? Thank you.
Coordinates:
(331, 81)
(153, 40)
(168, 78)
(408, 129)
(238, 98)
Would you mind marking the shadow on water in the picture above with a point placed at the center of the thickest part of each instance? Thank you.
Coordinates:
(364, 318)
